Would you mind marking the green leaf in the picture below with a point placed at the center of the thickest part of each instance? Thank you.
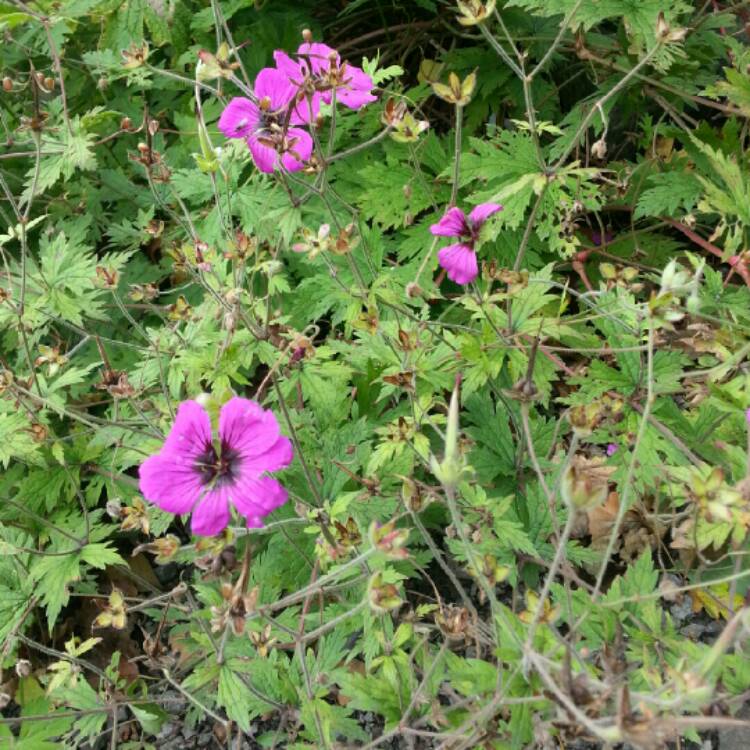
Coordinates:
(53, 576)
(233, 697)
(668, 193)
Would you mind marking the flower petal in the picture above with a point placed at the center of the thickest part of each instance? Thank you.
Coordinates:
(170, 482)
(239, 118)
(319, 55)
(291, 68)
(482, 212)
(355, 93)
(452, 224)
(300, 147)
(277, 457)
(460, 261)
(170, 479)
(255, 498)
(265, 157)
(253, 433)
(305, 111)
(276, 86)
(211, 515)
(191, 432)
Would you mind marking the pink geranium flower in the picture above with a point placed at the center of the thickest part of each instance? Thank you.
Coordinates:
(269, 126)
(319, 71)
(192, 474)
(460, 260)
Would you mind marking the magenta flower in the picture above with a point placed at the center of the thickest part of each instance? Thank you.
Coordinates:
(268, 127)
(747, 416)
(190, 474)
(319, 71)
(460, 260)
(596, 237)
(611, 449)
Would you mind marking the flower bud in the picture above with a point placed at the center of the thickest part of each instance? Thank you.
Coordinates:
(448, 471)
(230, 320)
(383, 597)
(114, 508)
(599, 149)
(164, 548)
(23, 668)
(413, 290)
(413, 496)
(585, 483)
(389, 540)
(7, 84)
(204, 399)
(585, 418)
(474, 12)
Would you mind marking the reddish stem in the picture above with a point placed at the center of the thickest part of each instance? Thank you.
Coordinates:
(737, 262)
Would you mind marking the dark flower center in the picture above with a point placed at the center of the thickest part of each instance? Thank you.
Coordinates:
(472, 231)
(217, 468)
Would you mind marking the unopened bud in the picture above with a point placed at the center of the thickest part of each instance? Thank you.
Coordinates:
(525, 390)
(585, 483)
(413, 290)
(474, 12)
(49, 83)
(114, 508)
(599, 149)
(233, 296)
(7, 84)
(4, 700)
(383, 597)
(388, 539)
(412, 495)
(164, 548)
(229, 322)
(23, 668)
(204, 399)
(448, 471)
(307, 35)
(126, 123)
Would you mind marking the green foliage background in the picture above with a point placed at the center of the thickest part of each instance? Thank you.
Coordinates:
(145, 261)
